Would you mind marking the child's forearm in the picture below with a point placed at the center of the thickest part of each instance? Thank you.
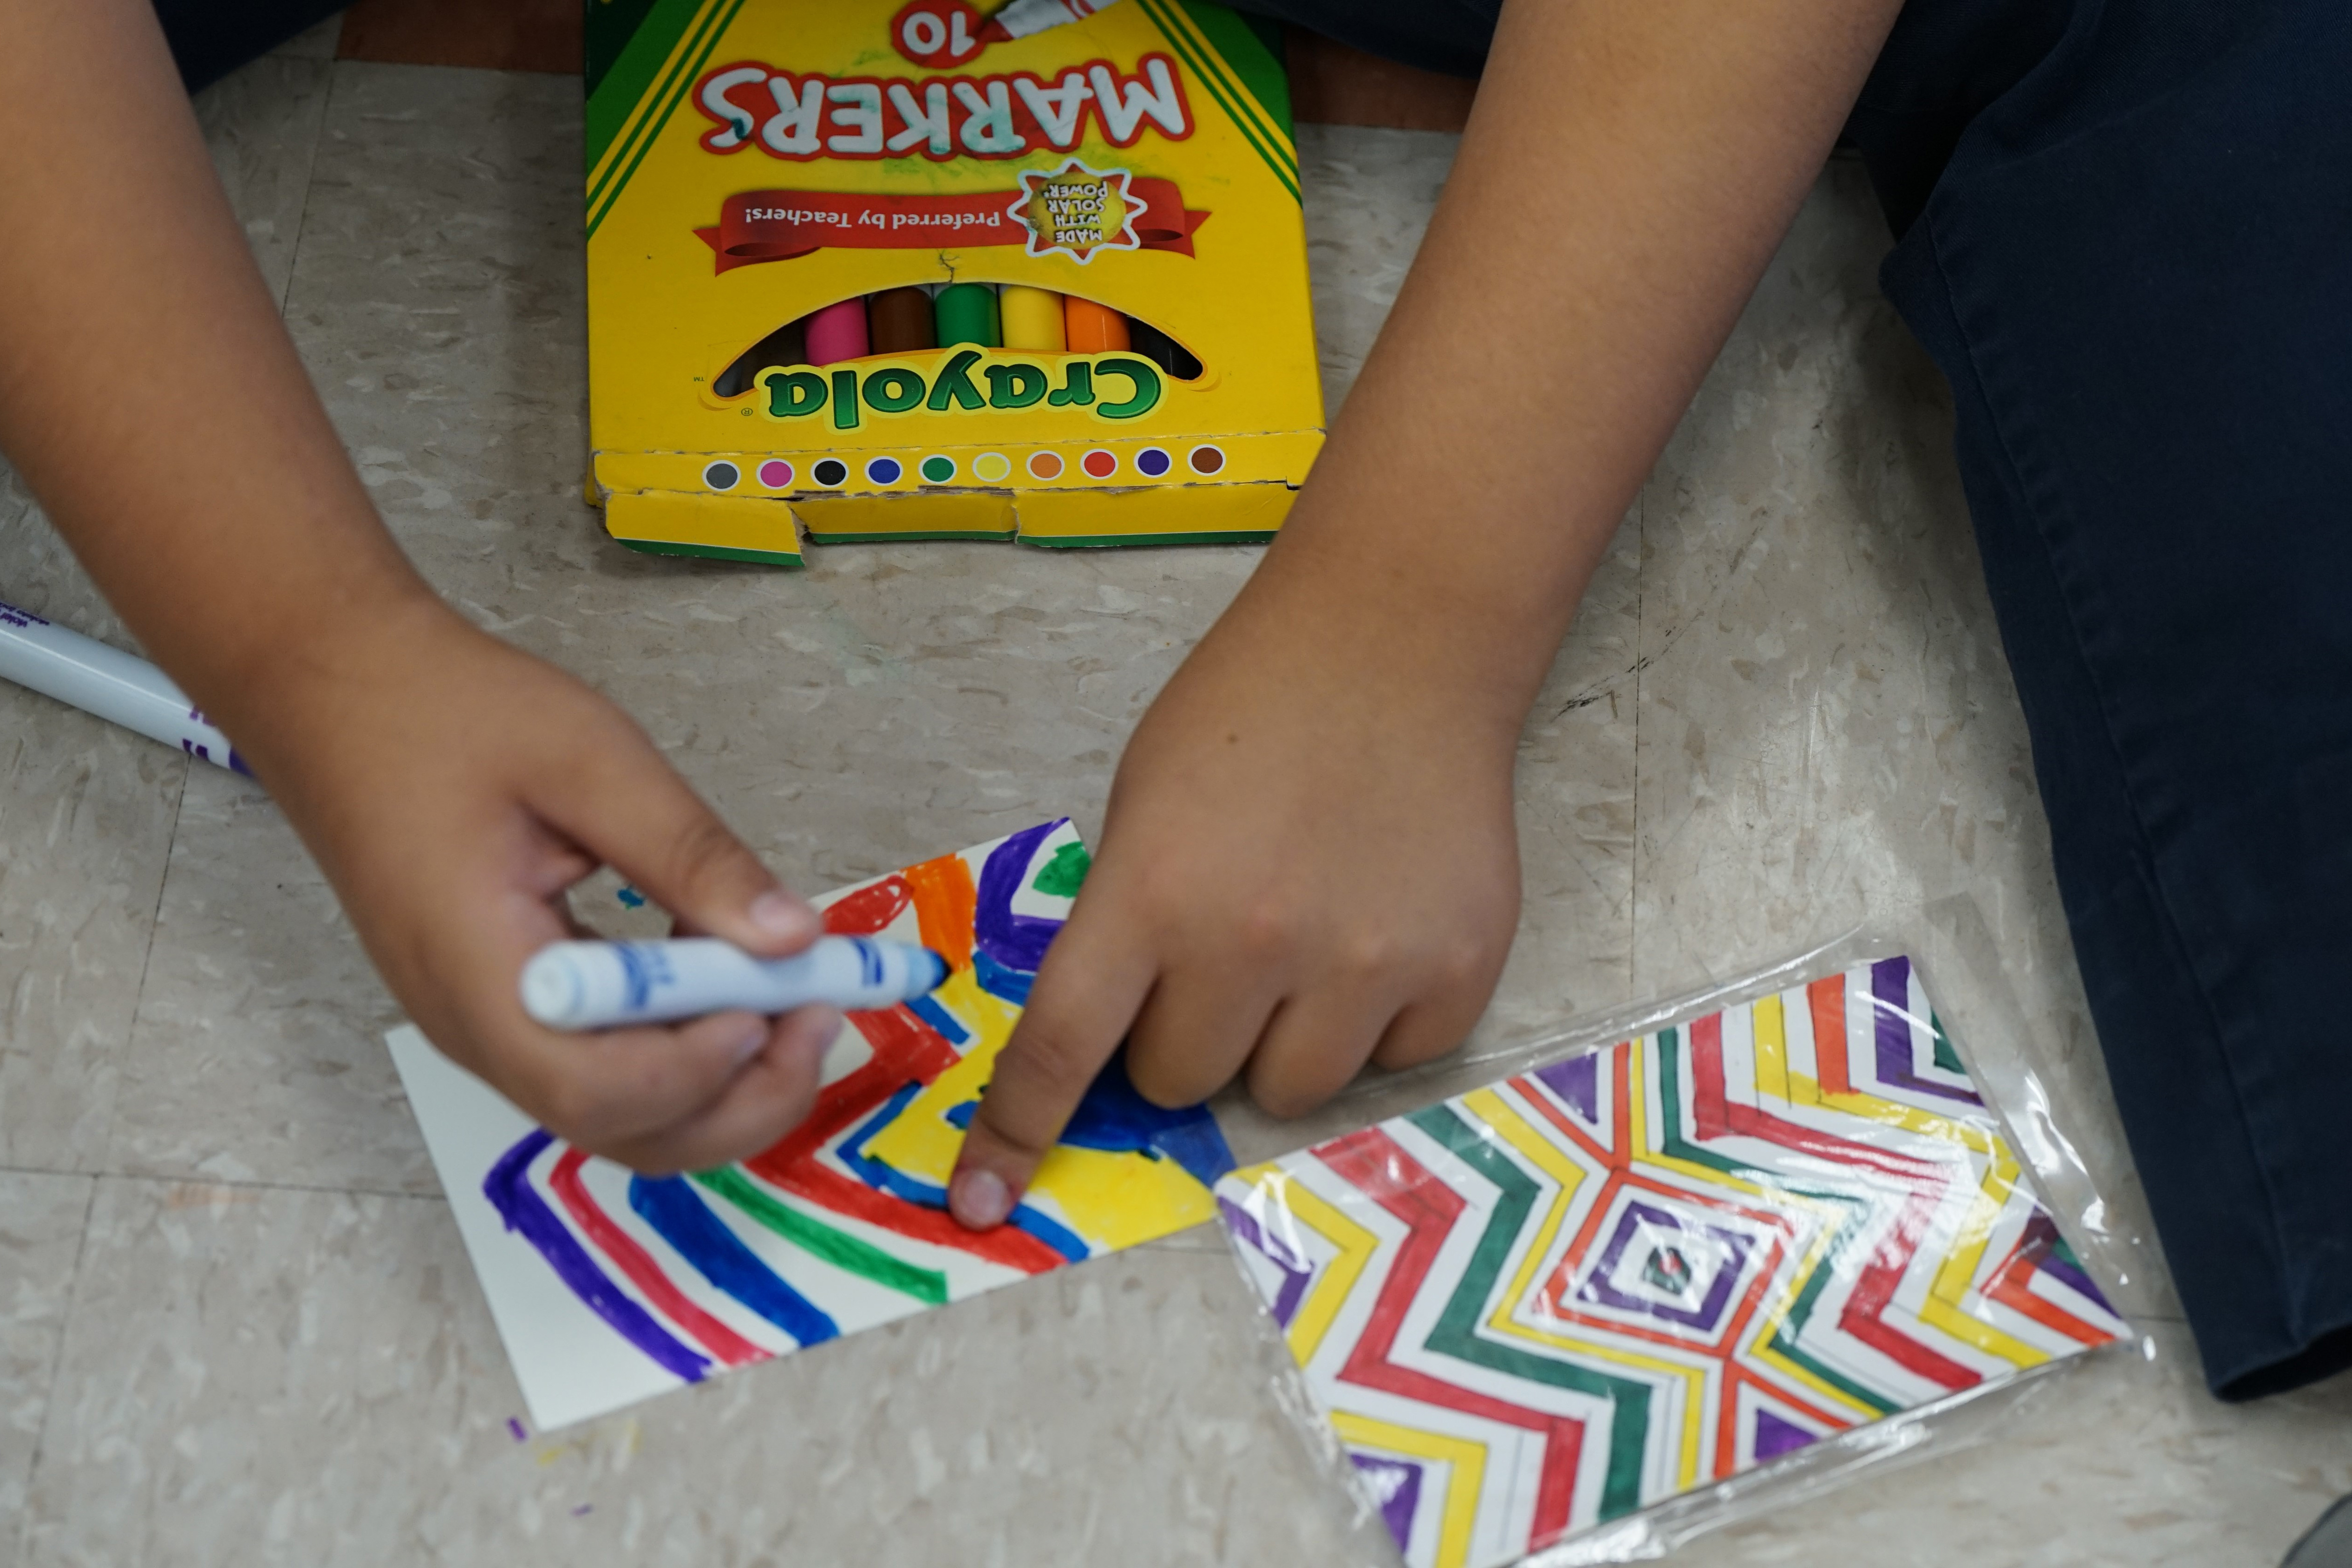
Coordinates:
(1308, 861)
(1630, 167)
(148, 390)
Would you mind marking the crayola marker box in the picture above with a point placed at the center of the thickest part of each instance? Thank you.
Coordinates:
(872, 270)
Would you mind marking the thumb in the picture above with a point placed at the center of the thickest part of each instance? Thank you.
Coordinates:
(630, 808)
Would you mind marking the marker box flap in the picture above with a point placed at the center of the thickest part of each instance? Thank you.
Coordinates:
(866, 270)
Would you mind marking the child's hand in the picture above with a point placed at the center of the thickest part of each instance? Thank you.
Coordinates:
(1309, 862)
(453, 788)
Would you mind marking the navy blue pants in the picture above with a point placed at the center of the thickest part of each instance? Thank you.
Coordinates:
(2123, 232)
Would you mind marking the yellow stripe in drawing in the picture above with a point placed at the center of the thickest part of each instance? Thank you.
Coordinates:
(1330, 1293)
(1941, 1309)
(1465, 1457)
(1493, 1110)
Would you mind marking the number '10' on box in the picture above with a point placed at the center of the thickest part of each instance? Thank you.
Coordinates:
(869, 271)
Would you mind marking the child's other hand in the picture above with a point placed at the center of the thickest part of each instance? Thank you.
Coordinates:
(1309, 861)
(452, 788)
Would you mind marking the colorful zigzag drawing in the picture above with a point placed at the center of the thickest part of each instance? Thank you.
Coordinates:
(842, 1224)
(1572, 1295)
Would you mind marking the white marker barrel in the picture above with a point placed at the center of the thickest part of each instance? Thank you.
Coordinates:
(115, 686)
(600, 984)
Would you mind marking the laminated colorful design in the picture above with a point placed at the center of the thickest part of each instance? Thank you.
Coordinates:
(1575, 1294)
(608, 1287)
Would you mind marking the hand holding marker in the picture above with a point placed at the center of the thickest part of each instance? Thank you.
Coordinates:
(603, 984)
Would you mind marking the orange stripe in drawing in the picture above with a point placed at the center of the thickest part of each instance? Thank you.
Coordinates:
(945, 901)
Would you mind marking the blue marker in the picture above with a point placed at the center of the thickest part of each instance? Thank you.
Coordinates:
(602, 984)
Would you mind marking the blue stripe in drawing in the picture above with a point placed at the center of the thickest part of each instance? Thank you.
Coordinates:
(1016, 942)
(670, 1206)
(1005, 984)
(950, 1028)
(509, 1188)
(898, 1184)
(1115, 1118)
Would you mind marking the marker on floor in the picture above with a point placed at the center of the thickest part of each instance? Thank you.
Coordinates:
(1091, 329)
(1162, 350)
(838, 333)
(117, 687)
(787, 345)
(967, 315)
(901, 322)
(1032, 320)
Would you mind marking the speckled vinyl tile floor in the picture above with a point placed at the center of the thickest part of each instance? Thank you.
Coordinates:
(236, 1322)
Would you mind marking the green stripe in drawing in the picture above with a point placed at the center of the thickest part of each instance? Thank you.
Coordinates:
(839, 1248)
(1834, 1261)
(1456, 1332)
(1235, 100)
(674, 92)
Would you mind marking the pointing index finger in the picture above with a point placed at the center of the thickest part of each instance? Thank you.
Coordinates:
(1089, 990)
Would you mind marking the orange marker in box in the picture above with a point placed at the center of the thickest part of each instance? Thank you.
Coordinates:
(1092, 328)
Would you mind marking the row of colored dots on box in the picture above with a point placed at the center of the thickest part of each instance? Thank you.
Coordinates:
(988, 469)
(981, 315)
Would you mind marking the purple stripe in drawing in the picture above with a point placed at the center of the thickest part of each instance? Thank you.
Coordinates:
(1397, 1485)
(2046, 1251)
(1577, 1082)
(509, 1188)
(1295, 1274)
(1890, 992)
(1016, 942)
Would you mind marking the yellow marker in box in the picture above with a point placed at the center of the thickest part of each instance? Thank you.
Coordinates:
(755, 162)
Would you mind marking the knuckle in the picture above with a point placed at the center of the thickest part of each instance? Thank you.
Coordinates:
(1460, 963)
(1162, 1080)
(1367, 953)
(1055, 1061)
(1283, 1098)
(703, 850)
(576, 1112)
(1266, 926)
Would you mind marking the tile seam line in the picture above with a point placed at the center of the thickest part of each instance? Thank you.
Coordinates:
(146, 959)
(153, 1179)
(1641, 678)
(309, 189)
(57, 1370)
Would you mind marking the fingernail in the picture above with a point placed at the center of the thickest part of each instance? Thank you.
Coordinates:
(781, 915)
(980, 1200)
(755, 1035)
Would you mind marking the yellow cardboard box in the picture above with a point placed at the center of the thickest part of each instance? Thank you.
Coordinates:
(756, 164)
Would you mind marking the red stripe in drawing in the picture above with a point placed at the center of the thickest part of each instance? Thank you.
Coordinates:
(639, 1266)
(905, 1051)
(1714, 1114)
(869, 910)
(1374, 1163)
